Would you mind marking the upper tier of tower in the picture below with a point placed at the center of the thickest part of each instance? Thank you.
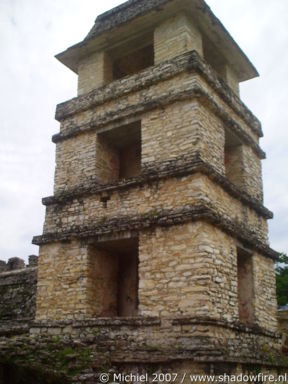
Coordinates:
(135, 35)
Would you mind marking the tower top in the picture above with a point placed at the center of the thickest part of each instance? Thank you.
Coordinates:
(137, 19)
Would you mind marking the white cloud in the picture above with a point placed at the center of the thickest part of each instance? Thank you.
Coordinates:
(33, 82)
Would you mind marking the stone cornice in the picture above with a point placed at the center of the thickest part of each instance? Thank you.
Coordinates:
(143, 321)
(202, 211)
(182, 166)
(160, 102)
(137, 321)
(189, 61)
(123, 13)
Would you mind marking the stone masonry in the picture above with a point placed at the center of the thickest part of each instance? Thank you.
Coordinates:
(155, 252)
(18, 285)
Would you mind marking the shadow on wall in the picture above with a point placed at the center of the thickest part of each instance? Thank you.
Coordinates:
(13, 374)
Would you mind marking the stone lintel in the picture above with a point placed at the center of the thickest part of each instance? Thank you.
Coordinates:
(198, 212)
(116, 236)
(190, 61)
(182, 166)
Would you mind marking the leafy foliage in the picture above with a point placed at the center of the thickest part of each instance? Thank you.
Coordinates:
(282, 279)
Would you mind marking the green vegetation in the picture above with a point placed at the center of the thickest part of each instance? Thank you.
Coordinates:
(282, 279)
(54, 359)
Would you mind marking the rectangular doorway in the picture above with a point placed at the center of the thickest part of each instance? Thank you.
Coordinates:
(114, 277)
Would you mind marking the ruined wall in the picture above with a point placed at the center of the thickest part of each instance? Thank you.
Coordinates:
(171, 341)
(80, 351)
(18, 290)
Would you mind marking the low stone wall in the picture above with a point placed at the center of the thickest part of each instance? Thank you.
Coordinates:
(80, 351)
(18, 290)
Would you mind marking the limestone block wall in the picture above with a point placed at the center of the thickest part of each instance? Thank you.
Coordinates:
(212, 138)
(18, 292)
(173, 193)
(75, 162)
(94, 71)
(62, 281)
(78, 280)
(196, 275)
(171, 38)
(199, 124)
(252, 173)
(265, 292)
(196, 272)
(169, 132)
(184, 270)
(176, 36)
(150, 340)
(178, 74)
(182, 111)
(180, 128)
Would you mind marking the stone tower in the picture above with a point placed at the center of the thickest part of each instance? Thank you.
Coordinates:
(156, 232)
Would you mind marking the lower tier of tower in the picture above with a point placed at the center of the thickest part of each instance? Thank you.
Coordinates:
(193, 268)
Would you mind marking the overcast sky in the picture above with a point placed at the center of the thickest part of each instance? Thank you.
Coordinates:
(32, 82)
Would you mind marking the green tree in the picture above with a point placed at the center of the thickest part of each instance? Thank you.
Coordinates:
(282, 279)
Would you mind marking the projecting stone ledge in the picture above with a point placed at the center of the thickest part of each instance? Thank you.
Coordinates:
(190, 61)
(154, 171)
(204, 212)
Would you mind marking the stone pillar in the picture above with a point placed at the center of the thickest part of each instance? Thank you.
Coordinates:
(234, 167)
(62, 281)
(176, 36)
(15, 263)
(252, 173)
(94, 71)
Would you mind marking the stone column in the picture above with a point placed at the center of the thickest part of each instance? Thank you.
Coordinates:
(176, 36)
(94, 71)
